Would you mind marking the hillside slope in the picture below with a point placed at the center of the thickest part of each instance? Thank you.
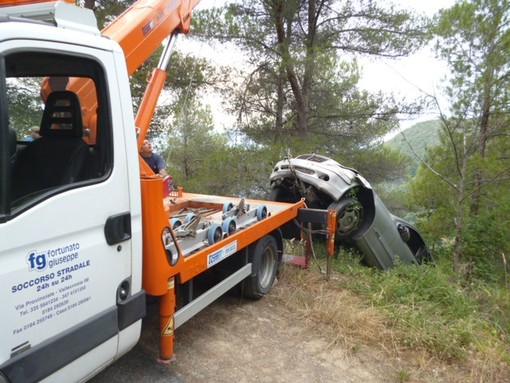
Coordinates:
(420, 136)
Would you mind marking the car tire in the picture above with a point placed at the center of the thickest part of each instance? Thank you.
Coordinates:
(349, 218)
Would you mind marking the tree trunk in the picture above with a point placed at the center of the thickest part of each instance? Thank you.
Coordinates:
(482, 144)
(459, 218)
(280, 104)
(287, 61)
(459, 223)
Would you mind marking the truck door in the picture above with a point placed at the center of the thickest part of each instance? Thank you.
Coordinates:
(68, 214)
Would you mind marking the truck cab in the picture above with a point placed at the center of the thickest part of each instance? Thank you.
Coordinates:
(70, 204)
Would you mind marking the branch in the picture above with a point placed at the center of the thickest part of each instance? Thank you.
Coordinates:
(426, 164)
(493, 179)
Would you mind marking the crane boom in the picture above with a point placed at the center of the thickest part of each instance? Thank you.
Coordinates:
(144, 26)
(139, 31)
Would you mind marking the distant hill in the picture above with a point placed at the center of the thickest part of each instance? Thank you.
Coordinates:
(420, 136)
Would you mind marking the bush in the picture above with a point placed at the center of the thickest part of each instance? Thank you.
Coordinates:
(432, 308)
(485, 246)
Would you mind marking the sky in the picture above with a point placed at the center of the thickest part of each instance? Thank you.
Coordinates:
(407, 77)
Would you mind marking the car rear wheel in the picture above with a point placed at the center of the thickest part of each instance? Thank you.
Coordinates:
(349, 217)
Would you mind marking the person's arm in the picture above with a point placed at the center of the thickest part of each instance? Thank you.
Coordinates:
(161, 167)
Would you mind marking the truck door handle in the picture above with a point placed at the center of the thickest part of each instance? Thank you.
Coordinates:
(118, 228)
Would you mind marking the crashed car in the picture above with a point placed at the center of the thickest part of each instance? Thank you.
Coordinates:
(362, 218)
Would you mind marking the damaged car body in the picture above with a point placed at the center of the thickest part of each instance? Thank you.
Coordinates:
(362, 218)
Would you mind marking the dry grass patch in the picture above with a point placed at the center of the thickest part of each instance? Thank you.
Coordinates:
(338, 314)
(411, 319)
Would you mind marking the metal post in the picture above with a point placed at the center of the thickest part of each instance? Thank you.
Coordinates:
(166, 324)
(308, 246)
(331, 240)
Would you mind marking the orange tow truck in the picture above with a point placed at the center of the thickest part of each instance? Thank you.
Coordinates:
(87, 231)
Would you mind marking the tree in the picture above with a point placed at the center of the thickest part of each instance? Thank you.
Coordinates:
(26, 106)
(301, 90)
(442, 190)
(241, 171)
(191, 141)
(474, 38)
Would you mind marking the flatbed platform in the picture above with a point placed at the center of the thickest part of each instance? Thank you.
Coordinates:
(199, 221)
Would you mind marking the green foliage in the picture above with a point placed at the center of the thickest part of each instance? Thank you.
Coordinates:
(432, 308)
(416, 140)
(25, 108)
(377, 163)
(485, 243)
(432, 201)
(202, 161)
(436, 200)
(235, 171)
(191, 139)
(474, 37)
(403, 376)
(300, 93)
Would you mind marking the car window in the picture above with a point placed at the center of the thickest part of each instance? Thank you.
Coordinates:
(56, 128)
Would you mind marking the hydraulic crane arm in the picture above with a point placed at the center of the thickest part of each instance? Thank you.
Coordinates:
(144, 26)
(139, 31)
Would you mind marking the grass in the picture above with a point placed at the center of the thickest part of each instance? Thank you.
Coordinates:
(403, 376)
(427, 312)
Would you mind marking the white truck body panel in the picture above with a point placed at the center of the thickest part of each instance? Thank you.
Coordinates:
(56, 269)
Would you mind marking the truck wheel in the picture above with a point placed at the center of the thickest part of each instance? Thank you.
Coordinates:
(264, 259)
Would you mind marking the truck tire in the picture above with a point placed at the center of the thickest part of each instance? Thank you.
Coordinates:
(263, 256)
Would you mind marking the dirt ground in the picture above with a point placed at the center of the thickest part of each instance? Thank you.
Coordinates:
(242, 341)
(258, 341)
